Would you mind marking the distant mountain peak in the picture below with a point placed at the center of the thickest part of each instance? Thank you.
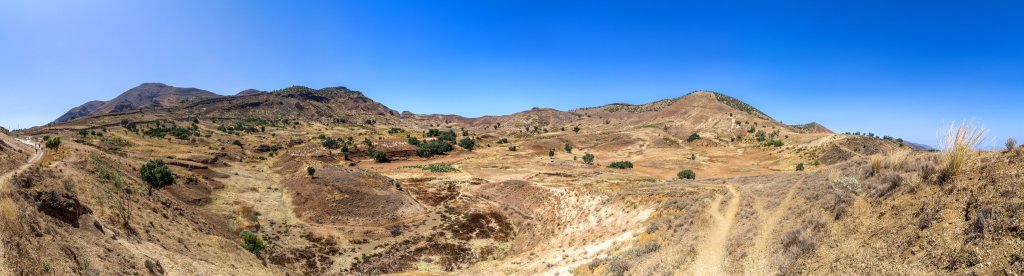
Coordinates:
(146, 95)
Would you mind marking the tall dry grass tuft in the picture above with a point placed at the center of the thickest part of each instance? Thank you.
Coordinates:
(960, 142)
(877, 164)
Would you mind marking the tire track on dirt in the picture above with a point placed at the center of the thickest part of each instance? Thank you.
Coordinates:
(760, 259)
(711, 255)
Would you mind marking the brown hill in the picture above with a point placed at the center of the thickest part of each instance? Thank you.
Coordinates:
(146, 95)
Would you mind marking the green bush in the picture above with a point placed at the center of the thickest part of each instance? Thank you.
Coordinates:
(379, 156)
(156, 174)
(774, 143)
(551, 153)
(310, 171)
(576, 129)
(503, 141)
(252, 242)
(53, 143)
(621, 165)
(331, 143)
(693, 137)
(800, 167)
(467, 143)
(434, 147)
(513, 148)
(687, 174)
(588, 158)
(760, 135)
(413, 141)
(568, 148)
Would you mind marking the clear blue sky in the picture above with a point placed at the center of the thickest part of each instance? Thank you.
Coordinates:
(891, 68)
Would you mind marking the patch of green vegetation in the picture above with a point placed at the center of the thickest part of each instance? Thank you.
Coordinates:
(436, 168)
(252, 242)
(621, 165)
(686, 174)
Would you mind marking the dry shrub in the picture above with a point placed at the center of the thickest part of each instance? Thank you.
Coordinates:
(877, 164)
(980, 224)
(928, 213)
(1011, 144)
(888, 183)
(960, 142)
(797, 243)
(897, 160)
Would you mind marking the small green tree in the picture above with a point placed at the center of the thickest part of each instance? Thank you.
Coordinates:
(693, 137)
(331, 143)
(551, 153)
(686, 174)
(568, 148)
(467, 143)
(53, 143)
(310, 171)
(800, 167)
(576, 129)
(413, 141)
(588, 158)
(156, 174)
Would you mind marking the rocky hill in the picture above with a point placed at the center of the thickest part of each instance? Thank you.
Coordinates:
(146, 95)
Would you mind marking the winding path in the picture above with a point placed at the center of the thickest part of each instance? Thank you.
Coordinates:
(711, 255)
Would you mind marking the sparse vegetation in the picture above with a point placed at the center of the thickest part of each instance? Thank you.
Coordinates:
(568, 148)
(588, 158)
(436, 168)
(1011, 144)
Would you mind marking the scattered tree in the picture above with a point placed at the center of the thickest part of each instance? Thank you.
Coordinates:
(568, 148)
(156, 174)
(413, 141)
(310, 171)
(576, 129)
(588, 158)
(467, 143)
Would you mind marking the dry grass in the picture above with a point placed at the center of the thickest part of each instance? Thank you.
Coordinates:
(877, 164)
(960, 141)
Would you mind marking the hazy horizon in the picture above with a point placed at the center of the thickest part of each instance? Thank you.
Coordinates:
(896, 69)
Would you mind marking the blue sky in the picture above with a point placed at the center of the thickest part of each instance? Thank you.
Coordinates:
(898, 68)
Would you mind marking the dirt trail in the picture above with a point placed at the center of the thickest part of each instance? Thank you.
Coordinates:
(711, 255)
(760, 257)
(5, 187)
